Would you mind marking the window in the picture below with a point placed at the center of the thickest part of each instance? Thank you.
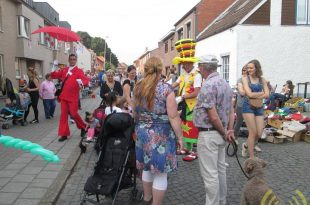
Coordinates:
(42, 40)
(188, 30)
(18, 70)
(225, 67)
(166, 47)
(1, 65)
(180, 34)
(303, 12)
(23, 26)
(171, 44)
(1, 19)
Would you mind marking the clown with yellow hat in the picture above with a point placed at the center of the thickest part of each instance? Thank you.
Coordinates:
(189, 83)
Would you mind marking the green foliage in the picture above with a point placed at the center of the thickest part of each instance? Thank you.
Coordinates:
(85, 38)
(97, 44)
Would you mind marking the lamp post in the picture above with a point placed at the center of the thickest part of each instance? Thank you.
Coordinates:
(110, 60)
(105, 50)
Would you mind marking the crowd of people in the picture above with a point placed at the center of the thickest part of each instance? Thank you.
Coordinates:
(172, 113)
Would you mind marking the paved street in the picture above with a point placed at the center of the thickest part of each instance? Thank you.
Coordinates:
(27, 179)
(287, 170)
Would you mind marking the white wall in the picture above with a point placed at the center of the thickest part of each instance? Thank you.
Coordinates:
(284, 52)
(222, 43)
(84, 56)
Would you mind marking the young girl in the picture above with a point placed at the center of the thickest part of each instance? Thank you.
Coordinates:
(111, 104)
(92, 124)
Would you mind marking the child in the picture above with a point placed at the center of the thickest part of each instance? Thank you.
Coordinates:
(24, 97)
(111, 101)
(6, 112)
(92, 124)
(123, 105)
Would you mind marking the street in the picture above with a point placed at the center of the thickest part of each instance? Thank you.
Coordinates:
(27, 179)
(286, 171)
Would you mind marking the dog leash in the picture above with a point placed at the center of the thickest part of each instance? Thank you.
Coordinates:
(234, 153)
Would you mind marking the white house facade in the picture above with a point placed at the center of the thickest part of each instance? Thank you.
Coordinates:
(283, 50)
(84, 56)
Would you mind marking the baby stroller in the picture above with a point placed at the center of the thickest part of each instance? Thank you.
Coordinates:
(99, 114)
(15, 111)
(115, 169)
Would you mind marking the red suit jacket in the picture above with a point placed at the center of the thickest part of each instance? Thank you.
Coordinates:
(71, 89)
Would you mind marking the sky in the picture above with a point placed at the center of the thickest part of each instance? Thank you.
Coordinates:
(130, 25)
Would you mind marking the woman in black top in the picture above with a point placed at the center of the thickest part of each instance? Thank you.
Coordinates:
(110, 85)
(129, 84)
(33, 90)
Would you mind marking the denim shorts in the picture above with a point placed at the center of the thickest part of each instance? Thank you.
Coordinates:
(246, 108)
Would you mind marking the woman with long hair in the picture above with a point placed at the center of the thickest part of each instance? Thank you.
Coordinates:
(256, 89)
(33, 90)
(240, 97)
(158, 127)
(129, 84)
(286, 92)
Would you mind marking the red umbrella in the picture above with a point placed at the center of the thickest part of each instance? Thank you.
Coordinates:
(60, 33)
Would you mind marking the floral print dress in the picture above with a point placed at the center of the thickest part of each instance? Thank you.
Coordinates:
(156, 141)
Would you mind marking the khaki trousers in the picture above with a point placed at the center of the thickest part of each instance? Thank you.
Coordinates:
(211, 152)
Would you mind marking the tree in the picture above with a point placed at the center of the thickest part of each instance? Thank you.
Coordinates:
(97, 44)
(85, 38)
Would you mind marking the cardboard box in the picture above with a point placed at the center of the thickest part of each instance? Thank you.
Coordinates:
(292, 136)
(305, 137)
(275, 123)
(275, 139)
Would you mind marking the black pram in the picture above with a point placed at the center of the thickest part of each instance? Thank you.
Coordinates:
(115, 170)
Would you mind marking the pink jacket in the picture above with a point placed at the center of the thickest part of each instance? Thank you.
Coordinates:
(47, 90)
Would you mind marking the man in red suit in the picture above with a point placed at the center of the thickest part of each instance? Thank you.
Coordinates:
(73, 79)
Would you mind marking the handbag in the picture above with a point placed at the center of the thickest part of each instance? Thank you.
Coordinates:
(256, 103)
(58, 91)
(182, 108)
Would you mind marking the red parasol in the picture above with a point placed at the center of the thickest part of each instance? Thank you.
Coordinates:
(60, 33)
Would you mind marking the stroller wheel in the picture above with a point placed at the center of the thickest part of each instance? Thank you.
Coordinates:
(5, 126)
(136, 195)
(82, 147)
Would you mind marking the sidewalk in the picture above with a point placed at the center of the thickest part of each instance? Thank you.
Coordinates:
(28, 179)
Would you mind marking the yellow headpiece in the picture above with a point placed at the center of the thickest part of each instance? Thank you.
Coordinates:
(186, 49)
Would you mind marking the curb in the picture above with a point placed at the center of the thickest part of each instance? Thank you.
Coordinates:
(52, 194)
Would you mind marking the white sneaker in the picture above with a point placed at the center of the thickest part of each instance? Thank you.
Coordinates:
(257, 148)
(72, 121)
(244, 150)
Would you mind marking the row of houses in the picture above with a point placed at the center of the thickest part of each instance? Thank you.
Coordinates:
(20, 50)
(276, 32)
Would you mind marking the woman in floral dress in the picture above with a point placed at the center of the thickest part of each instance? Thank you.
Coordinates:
(158, 129)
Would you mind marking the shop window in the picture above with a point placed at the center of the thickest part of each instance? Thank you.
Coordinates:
(23, 27)
(225, 67)
(303, 12)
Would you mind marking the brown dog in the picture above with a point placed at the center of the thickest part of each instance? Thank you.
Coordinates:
(256, 190)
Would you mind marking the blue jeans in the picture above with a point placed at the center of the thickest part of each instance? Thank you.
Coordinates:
(49, 107)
